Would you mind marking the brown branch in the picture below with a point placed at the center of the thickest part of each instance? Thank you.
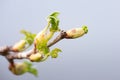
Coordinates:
(61, 36)
(10, 54)
(4, 50)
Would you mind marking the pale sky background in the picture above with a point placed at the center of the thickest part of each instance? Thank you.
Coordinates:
(95, 56)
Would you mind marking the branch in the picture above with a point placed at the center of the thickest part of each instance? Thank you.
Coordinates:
(12, 54)
(61, 36)
(41, 45)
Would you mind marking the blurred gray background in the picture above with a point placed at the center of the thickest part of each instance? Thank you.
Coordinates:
(95, 56)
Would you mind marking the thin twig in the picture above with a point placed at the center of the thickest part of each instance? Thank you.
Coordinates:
(58, 38)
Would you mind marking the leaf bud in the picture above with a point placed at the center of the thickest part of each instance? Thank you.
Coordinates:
(19, 46)
(21, 68)
(76, 32)
(36, 57)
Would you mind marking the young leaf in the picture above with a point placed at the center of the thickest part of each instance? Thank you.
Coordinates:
(42, 46)
(54, 21)
(55, 14)
(28, 63)
(85, 29)
(29, 37)
(42, 37)
(33, 71)
(54, 52)
(22, 68)
(30, 68)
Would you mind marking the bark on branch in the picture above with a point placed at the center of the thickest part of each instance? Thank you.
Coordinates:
(10, 54)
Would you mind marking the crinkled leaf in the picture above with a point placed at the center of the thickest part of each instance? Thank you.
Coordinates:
(54, 21)
(54, 52)
(29, 37)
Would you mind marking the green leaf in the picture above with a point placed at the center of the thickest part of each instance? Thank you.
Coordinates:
(54, 21)
(30, 68)
(28, 63)
(33, 71)
(42, 46)
(55, 14)
(29, 37)
(54, 52)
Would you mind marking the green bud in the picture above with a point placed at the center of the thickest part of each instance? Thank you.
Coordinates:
(85, 29)
(40, 40)
(21, 68)
(19, 46)
(76, 32)
(18, 69)
(36, 57)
